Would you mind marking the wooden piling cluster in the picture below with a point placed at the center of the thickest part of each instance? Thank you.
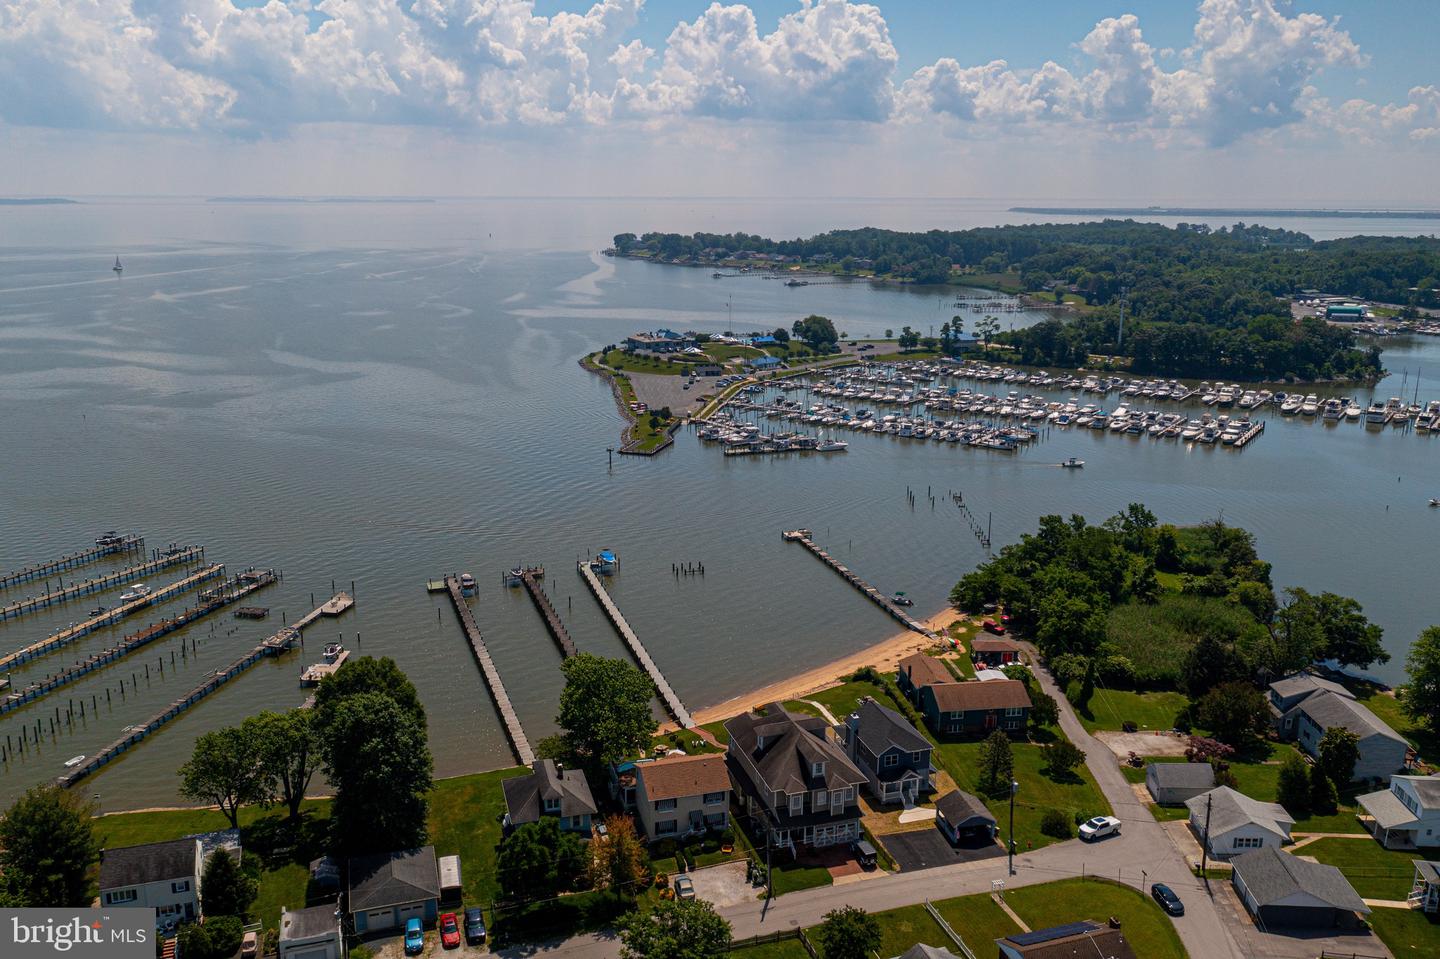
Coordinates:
(667, 695)
(530, 577)
(802, 536)
(173, 557)
(275, 645)
(108, 618)
(211, 600)
(513, 729)
(126, 544)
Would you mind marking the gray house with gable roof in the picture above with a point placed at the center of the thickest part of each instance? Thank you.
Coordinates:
(389, 888)
(893, 755)
(1383, 751)
(549, 790)
(1279, 889)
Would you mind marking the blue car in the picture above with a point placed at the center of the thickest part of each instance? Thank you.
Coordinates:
(414, 936)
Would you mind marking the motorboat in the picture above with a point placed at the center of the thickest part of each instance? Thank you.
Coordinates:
(1073, 464)
(74, 761)
(1310, 406)
(467, 584)
(1292, 404)
(98, 610)
(900, 599)
(1377, 415)
(138, 591)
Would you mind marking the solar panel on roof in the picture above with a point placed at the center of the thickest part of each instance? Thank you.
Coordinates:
(1055, 932)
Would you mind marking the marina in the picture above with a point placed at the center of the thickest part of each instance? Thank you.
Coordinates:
(172, 556)
(518, 741)
(529, 577)
(888, 604)
(108, 544)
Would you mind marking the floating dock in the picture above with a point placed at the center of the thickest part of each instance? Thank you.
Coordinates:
(529, 577)
(802, 536)
(110, 617)
(667, 695)
(315, 673)
(122, 544)
(492, 675)
(276, 645)
(174, 557)
(210, 601)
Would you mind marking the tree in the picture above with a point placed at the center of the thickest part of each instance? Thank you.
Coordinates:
(1043, 710)
(539, 860)
(1293, 787)
(224, 770)
(1061, 758)
(1339, 752)
(289, 754)
(997, 762)
(909, 339)
(617, 859)
(675, 929)
(816, 332)
(781, 335)
(605, 710)
(377, 758)
(1234, 711)
(1421, 696)
(369, 675)
(1056, 824)
(225, 890)
(47, 848)
(1326, 626)
(1324, 797)
(986, 328)
(848, 933)
(1209, 663)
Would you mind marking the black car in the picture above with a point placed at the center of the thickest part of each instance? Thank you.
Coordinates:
(1167, 899)
(474, 927)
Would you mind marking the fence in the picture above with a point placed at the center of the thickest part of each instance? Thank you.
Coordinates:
(954, 936)
(770, 938)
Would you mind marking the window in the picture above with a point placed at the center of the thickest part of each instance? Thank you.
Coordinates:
(821, 798)
(817, 769)
(121, 895)
(181, 886)
(915, 758)
(714, 799)
(664, 805)
(552, 805)
(889, 759)
(1015, 711)
(1248, 842)
(797, 804)
(666, 827)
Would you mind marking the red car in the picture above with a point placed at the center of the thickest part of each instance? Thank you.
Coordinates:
(1004, 619)
(449, 931)
(990, 626)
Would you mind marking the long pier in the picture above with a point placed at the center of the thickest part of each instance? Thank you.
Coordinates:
(667, 695)
(211, 600)
(174, 557)
(108, 618)
(275, 645)
(802, 536)
(516, 732)
(530, 577)
(121, 544)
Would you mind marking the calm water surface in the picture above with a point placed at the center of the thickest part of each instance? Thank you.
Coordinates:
(384, 393)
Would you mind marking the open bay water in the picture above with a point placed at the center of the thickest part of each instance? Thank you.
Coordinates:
(382, 393)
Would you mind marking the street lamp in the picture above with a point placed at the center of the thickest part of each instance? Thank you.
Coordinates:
(1014, 788)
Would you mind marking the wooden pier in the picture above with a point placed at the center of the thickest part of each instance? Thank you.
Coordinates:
(211, 600)
(275, 645)
(175, 557)
(123, 544)
(109, 618)
(513, 729)
(529, 577)
(667, 695)
(1255, 430)
(802, 536)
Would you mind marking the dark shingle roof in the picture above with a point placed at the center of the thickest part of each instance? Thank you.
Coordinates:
(1303, 684)
(308, 923)
(880, 728)
(984, 645)
(1183, 775)
(1272, 876)
(781, 747)
(967, 696)
(152, 862)
(960, 808)
(523, 794)
(1328, 710)
(393, 879)
(924, 670)
(1075, 940)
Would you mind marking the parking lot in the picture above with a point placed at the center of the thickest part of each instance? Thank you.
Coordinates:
(929, 848)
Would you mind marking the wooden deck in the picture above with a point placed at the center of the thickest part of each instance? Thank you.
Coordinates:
(334, 606)
(127, 544)
(186, 554)
(530, 578)
(667, 695)
(802, 536)
(513, 729)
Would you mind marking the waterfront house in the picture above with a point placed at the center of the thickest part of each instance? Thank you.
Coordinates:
(682, 795)
(660, 341)
(1285, 694)
(918, 670)
(894, 757)
(764, 363)
(389, 888)
(312, 933)
(1084, 938)
(1405, 816)
(792, 779)
(1236, 823)
(1425, 891)
(964, 819)
(1173, 784)
(549, 790)
(994, 652)
(975, 708)
(1281, 890)
(164, 876)
(1383, 751)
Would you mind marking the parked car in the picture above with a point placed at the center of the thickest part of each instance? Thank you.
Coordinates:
(990, 626)
(864, 853)
(250, 945)
(449, 931)
(1167, 899)
(1004, 619)
(474, 927)
(1099, 828)
(684, 887)
(414, 936)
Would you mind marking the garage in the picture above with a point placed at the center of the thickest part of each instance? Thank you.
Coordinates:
(312, 933)
(965, 820)
(1282, 891)
(390, 888)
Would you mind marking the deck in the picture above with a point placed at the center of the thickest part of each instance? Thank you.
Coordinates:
(802, 536)
(175, 557)
(126, 544)
(513, 729)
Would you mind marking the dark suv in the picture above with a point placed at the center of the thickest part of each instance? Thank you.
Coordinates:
(474, 927)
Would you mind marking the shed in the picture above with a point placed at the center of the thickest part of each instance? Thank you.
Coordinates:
(312, 933)
(1279, 889)
(1172, 784)
(389, 888)
(451, 890)
(964, 819)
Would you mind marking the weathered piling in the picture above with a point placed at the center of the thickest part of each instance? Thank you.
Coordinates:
(109, 547)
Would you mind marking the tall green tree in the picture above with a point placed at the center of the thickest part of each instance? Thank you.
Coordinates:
(675, 929)
(289, 753)
(605, 710)
(1339, 752)
(816, 332)
(1324, 797)
(369, 675)
(848, 933)
(377, 758)
(1061, 757)
(1234, 711)
(539, 860)
(225, 890)
(224, 770)
(997, 762)
(1421, 696)
(47, 848)
(1293, 786)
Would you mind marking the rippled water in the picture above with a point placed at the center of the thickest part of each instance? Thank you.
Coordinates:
(381, 394)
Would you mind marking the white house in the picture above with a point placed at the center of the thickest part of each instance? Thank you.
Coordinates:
(1405, 816)
(312, 933)
(1236, 823)
(1382, 750)
(164, 876)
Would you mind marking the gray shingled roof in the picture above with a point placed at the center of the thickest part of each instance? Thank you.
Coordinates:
(393, 879)
(1426, 787)
(960, 808)
(1230, 809)
(880, 728)
(308, 923)
(1272, 876)
(1183, 775)
(1328, 710)
(1387, 809)
(1298, 684)
(1429, 871)
(923, 951)
(792, 745)
(523, 793)
(152, 862)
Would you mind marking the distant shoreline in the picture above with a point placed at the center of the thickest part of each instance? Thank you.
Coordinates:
(37, 201)
(1226, 212)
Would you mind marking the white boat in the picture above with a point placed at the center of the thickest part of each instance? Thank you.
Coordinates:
(1310, 406)
(1376, 415)
(117, 267)
(1353, 411)
(1073, 464)
(74, 761)
(1292, 404)
(832, 445)
(138, 591)
(332, 659)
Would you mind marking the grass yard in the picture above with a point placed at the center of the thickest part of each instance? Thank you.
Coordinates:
(1156, 637)
(1387, 707)
(1112, 708)
(634, 363)
(1407, 933)
(717, 729)
(794, 877)
(1374, 871)
(977, 920)
(1148, 930)
(1262, 781)
(904, 927)
(465, 821)
(784, 949)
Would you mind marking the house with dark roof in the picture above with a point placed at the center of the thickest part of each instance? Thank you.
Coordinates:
(964, 819)
(918, 670)
(894, 757)
(1236, 823)
(1405, 816)
(1074, 940)
(994, 651)
(388, 888)
(1173, 784)
(1284, 694)
(312, 933)
(1281, 890)
(682, 795)
(164, 876)
(549, 790)
(1383, 751)
(792, 779)
(976, 708)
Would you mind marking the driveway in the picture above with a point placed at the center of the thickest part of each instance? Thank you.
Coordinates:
(1143, 744)
(930, 848)
(723, 885)
(1288, 943)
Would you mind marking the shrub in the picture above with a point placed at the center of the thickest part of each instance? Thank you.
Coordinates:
(1056, 824)
(225, 934)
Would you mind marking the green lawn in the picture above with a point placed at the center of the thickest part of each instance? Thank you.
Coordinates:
(841, 700)
(1374, 871)
(465, 821)
(1148, 930)
(682, 740)
(1112, 708)
(978, 920)
(784, 949)
(904, 927)
(632, 363)
(791, 877)
(1262, 781)
(1388, 708)
(1407, 933)
(717, 729)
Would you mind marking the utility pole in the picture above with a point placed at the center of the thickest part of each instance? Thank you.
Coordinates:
(1014, 788)
(1205, 843)
(1120, 335)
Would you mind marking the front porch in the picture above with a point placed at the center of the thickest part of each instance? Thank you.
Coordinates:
(1425, 894)
(1387, 819)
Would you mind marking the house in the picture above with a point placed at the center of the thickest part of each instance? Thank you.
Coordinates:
(1236, 823)
(1074, 939)
(1280, 890)
(1382, 750)
(975, 708)
(312, 933)
(164, 876)
(923, 951)
(708, 369)
(660, 341)
(764, 363)
(793, 779)
(1425, 893)
(894, 757)
(388, 888)
(764, 339)
(1405, 816)
(964, 819)
(682, 795)
(918, 670)
(1172, 784)
(1285, 694)
(549, 790)
(994, 652)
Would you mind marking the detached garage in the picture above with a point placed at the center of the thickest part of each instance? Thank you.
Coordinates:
(964, 819)
(312, 933)
(1280, 890)
(389, 888)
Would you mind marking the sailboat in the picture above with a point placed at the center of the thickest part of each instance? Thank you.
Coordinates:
(117, 267)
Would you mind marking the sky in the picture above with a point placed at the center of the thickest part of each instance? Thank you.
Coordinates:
(1316, 102)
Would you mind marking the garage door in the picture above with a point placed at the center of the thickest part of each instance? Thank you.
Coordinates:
(405, 912)
(379, 919)
(314, 952)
